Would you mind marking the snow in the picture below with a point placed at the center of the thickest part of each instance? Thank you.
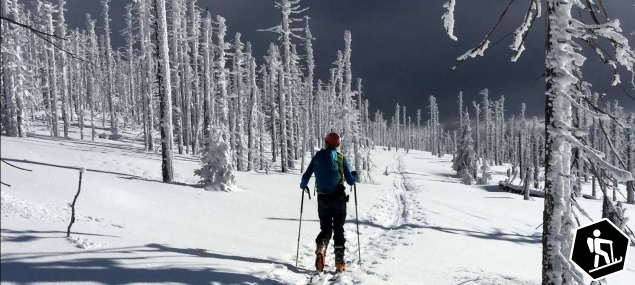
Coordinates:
(418, 224)
(448, 18)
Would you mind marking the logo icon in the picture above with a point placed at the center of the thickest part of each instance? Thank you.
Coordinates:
(599, 249)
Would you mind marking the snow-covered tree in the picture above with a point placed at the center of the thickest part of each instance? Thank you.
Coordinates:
(465, 161)
(209, 86)
(479, 145)
(164, 90)
(223, 80)
(61, 25)
(177, 71)
(110, 87)
(148, 71)
(272, 86)
(47, 10)
(14, 88)
(563, 73)
(237, 123)
(217, 171)
(91, 88)
(197, 105)
(630, 159)
(486, 174)
(286, 31)
(252, 112)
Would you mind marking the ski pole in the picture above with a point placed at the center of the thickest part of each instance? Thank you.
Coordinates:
(297, 253)
(359, 245)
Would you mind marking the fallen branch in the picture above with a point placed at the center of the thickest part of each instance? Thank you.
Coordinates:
(15, 166)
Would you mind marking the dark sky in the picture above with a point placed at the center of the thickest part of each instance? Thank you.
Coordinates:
(401, 51)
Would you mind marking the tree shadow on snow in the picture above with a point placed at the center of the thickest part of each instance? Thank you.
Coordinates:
(500, 198)
(77, 267)
(107, 147)
(292, 219)
(490, 188)
(361, 222)
(495, 235)
(199, 252)
(32, 235)
(119, 174)
(71, 167)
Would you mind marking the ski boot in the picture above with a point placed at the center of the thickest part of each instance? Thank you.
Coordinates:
(320, 256)
(339, 258)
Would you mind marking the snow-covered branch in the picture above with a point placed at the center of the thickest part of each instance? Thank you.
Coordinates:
(521, 32)
(595, 157)
(448, 18)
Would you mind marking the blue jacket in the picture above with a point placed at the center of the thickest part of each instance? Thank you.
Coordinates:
(325, 164)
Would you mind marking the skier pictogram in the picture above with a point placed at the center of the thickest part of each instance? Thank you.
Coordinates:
(605, 251)
(595, 246)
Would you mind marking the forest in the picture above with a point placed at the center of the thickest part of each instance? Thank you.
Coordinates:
(186, 86)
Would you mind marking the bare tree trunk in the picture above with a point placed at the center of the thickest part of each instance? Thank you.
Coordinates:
(528, 181)
(283, 123)
(163, 78)
(630, 185)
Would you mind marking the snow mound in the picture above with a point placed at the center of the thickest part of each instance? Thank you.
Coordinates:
(84, 243)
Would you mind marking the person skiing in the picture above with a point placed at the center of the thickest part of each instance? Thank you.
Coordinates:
(330, 168)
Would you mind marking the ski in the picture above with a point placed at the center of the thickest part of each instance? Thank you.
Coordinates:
(607, 265)
(336, 276)
(314, 277)
(318, 278)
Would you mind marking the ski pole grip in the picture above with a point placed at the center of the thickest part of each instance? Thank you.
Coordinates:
(308, 192)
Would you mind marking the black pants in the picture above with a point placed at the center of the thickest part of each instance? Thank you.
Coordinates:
(332, 213)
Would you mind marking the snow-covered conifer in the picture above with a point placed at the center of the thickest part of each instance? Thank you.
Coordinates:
(217, 171)
(465, 161)
(486, 174)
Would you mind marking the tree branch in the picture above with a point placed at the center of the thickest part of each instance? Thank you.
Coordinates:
(530, 23)
(60, 48)
(486, 39)
(31, 28)
(600, 111)
(608, 140)
(15, 166)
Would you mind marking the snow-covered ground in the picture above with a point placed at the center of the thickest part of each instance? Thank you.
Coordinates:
(418, 224)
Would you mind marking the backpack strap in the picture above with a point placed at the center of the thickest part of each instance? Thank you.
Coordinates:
(340, 162)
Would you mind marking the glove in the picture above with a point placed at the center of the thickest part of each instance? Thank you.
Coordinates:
(355, 175)
(303, 185)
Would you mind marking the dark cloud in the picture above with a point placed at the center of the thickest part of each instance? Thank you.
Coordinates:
(401, 51)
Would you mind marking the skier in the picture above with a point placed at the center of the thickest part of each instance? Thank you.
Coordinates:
(595, 246)
(331, 168)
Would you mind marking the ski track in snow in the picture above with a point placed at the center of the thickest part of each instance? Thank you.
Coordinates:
(398, 215)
